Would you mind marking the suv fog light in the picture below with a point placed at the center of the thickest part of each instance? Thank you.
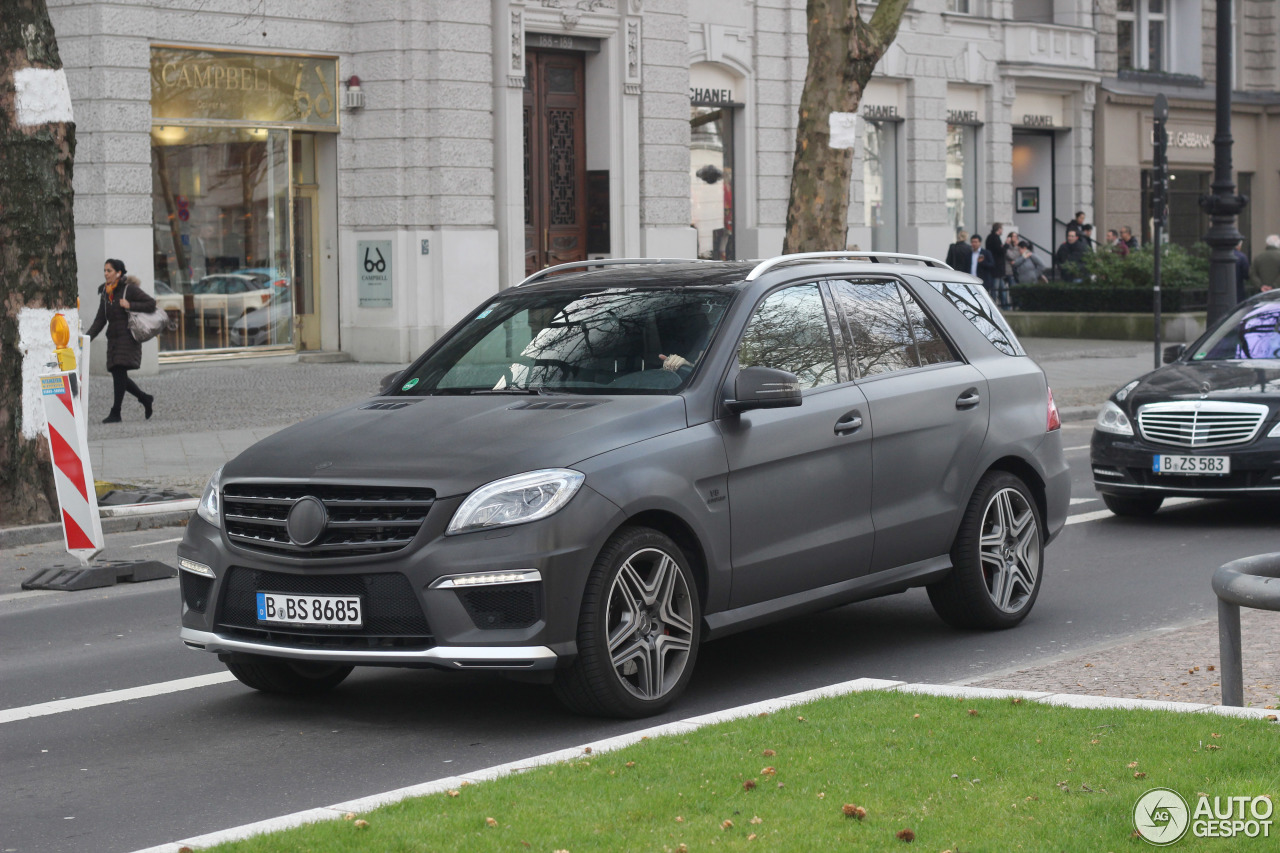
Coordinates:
(486, 579)
(195, 568)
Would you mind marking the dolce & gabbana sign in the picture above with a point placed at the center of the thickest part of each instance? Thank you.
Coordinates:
(261, 88)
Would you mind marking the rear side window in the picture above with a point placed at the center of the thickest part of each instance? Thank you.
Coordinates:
(890, 330)
(975, 304)
(789, 331)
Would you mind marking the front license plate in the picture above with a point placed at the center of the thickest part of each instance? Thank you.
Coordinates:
(331, 611)
(1200, 465)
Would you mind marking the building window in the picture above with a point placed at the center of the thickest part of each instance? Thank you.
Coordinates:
(962, 177)
(1142, 34)
(964, 7)
(880, 183)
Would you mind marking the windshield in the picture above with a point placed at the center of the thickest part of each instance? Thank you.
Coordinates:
(610, 341)
(1252, 332)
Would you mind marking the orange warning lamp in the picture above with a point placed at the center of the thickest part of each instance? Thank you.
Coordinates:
(60, 331)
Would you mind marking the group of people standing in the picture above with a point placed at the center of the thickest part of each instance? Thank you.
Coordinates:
(999, 262)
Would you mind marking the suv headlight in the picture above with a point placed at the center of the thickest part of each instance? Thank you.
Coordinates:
(210, 508)
(1112, 419)
(516, 500)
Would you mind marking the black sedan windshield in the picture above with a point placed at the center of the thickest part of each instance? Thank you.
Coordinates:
(608, 341)
(1252, 332)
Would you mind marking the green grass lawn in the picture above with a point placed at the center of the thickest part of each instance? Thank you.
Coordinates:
(949, 774)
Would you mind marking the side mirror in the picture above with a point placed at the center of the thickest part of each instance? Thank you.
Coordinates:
(386, 383)
(1173, 353)
(764, 388)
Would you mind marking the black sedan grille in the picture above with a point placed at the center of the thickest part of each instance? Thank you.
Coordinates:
(393, 618)
(1201, 423)
(362, 520)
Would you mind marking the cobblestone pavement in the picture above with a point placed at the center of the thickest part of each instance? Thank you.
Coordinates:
(1178, 664)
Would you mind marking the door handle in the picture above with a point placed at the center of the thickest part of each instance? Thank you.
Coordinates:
(968, 399)
(851, 422)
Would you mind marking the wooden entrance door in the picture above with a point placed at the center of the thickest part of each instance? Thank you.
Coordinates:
(555, 161)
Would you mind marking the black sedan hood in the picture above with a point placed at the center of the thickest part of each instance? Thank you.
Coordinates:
(1255, 381)
(453, 444)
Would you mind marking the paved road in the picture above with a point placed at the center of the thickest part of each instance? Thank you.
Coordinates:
(127, 775)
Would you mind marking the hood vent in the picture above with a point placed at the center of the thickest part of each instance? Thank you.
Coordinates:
(557, 405)
(384, 406)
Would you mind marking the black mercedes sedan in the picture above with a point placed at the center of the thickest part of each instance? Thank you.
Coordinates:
(1206, 424)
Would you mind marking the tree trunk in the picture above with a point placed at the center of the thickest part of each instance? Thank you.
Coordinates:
(843, 51)
(37, 247)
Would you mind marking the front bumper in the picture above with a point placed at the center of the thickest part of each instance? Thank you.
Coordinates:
(448, 657)
(1122, 465)
(412, 619)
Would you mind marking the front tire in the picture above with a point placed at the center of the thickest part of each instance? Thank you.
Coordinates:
(996, 558)
(1133, 505)
(288, 677)
(638, 631)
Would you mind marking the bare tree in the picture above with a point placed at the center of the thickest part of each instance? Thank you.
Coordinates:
(843, 51)
(37, 236)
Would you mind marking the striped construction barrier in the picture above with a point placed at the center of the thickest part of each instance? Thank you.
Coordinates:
(72, 474)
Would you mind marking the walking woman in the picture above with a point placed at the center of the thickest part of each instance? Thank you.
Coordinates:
(119, 295)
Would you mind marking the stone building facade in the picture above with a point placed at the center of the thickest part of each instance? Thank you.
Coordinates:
(1146, 47)
(306, 175)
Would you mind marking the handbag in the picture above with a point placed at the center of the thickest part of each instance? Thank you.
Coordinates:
(146, 325)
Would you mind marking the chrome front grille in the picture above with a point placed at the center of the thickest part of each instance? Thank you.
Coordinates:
(362, 520)
(1200, 423)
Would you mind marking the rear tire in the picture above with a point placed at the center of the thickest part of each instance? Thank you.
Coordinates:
(288, 677)
(1132, 505)
(638, 631)
(996, 558)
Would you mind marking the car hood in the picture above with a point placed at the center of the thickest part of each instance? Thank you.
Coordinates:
(453, 444)
(1246, 381)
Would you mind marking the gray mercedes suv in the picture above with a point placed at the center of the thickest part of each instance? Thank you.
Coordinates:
(604, 466)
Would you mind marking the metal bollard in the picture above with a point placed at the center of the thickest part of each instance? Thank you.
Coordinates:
(1248, 582)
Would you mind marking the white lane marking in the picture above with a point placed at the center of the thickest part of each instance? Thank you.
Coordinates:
(1075, 501)
(1079, 447)
(1106, 513)
(160, 542)
(111, 697)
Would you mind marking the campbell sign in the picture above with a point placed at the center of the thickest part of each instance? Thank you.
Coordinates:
(268, 89)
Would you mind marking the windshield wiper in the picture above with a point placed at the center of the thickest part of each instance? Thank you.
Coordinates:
(536, 390)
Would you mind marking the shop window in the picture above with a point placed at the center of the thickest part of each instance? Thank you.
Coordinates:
(962, 178)
(880, 183)
(1187, 222)
(220, 202)
(711, 180)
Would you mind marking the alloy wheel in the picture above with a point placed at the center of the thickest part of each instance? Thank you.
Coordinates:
(650, 623)
(1010, 549)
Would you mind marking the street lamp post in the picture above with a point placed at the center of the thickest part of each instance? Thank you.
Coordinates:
(1224, 204)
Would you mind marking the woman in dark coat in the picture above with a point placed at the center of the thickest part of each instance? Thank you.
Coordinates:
(119, 295)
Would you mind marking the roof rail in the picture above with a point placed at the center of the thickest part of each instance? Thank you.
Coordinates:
(603, 262)
(875, 257)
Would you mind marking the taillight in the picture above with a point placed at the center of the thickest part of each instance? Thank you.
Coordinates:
(1055, 422)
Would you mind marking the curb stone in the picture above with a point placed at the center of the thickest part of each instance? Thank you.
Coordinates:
(36, 534)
